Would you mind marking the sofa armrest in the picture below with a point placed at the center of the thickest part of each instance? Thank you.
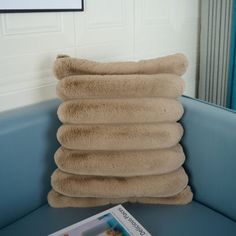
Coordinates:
(210, 146)
(27, 144)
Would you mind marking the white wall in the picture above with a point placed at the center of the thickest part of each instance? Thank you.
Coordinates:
(106, 30)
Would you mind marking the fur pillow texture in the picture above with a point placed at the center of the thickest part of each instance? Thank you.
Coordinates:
(165, 185)
(100, 111)
(173, 64)
(58, 200)
(120, 133)
(120, 136)
(120, 86)
(113, 163)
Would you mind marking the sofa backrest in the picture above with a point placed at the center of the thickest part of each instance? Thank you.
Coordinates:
(27, 145)
(210, 146)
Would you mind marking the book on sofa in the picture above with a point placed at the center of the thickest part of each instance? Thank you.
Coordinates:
(116, 221)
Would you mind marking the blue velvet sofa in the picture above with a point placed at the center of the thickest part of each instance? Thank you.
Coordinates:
(27, 145)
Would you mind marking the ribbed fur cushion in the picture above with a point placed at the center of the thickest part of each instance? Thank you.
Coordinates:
(120, 133)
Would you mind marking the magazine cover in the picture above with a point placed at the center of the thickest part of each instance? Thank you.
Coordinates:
(116, 221)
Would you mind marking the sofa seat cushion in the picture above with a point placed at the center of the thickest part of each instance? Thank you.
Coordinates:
(162, 220)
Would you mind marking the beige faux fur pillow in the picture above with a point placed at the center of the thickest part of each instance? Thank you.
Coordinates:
(120, 133)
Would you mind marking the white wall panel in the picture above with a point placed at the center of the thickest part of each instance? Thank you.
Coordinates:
(33, 35)
(166, 27)
(28, 46)
(12, 24)
(107, 30)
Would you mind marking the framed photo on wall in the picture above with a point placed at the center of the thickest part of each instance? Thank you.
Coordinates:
(14, 6)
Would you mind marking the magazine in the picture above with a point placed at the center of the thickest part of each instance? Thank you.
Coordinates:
(116, 221)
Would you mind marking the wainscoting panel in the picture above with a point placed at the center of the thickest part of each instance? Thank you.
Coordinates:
(107, 30)
(28, 46)
(12, 24)
(166, 27)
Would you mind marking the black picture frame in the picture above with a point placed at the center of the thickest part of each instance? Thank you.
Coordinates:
(42, 10)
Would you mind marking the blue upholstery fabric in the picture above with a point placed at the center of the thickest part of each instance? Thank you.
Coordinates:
(192, 220)
(210, 145)
(27, 144)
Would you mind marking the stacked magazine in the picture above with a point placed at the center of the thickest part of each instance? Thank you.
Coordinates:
(116, 221)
